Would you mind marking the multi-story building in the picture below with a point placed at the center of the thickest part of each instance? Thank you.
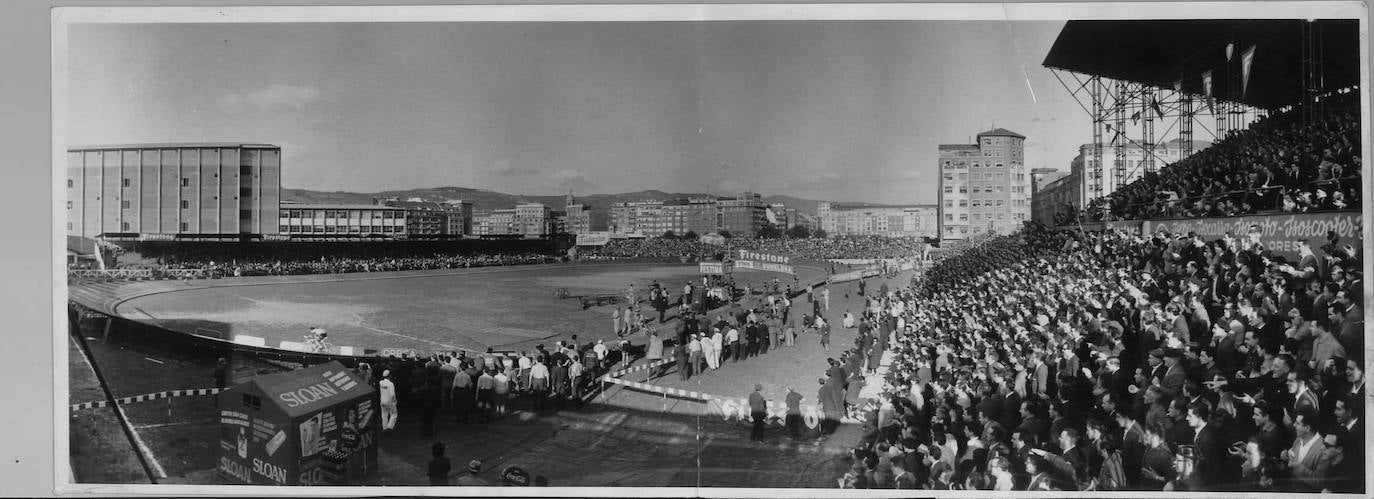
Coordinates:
(341, 220)
(423, 218)
(181, 189)
(458, 214)
(1061, 195)
(696, 215)
(983, 186)
(499, 222)
(1123, 164)
(919, 220)
(742, 215)
(578, 218)
(533, 220)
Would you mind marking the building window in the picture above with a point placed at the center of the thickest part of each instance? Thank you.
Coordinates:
(69, 183)
(246, 170)
(185, 227)
(185, 205)
(124, 204)
(69, 226)
(69, 205)
(185, 182)
(124, 226)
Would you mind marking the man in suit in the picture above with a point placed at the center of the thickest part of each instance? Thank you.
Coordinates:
(1304, 399)
(1211, 469)
(1305, 458)
(1174, 374)
(1133, 445)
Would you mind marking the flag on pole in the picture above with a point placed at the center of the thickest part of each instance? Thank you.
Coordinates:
(1245, 59)
(1230, 49)
(1135, 118)
(1154, 103)
(1207, 83)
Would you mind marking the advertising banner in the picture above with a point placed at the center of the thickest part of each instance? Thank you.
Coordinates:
(593, 239)
(738, 410)
(762, 257)
(846, 276)
(1279, 233)
(763, 266)
(715, 268)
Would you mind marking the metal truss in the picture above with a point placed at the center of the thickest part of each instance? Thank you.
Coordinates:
(1121, 110)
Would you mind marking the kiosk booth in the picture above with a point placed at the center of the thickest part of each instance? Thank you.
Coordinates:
(313, 426)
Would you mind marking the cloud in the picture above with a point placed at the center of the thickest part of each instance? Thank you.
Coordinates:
(569, 178)
(813, 181)
(504, 168)
(730, 186)
(273, 97)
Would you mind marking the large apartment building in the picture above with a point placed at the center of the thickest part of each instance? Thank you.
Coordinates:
(984, 187)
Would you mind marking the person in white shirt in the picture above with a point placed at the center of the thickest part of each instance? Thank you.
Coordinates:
(539, 383)
(708, 350)
(388, 400)
(717, 344)
(732, 343)
(522, 378)
(502, 392)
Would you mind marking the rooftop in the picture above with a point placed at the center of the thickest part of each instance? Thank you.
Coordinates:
(1001, 132)
(172, 145)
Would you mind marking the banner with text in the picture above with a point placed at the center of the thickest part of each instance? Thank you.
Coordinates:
(593, 239)
(1279, 233)
(715, 268)
(763, 266)
(762, 257)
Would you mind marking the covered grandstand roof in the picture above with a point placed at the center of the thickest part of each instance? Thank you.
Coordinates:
(1162, 52)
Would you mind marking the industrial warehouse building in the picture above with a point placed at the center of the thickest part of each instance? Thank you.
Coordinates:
(191, 190)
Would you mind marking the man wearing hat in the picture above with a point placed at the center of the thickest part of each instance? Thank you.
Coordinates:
(1174, 374)
(758, 410)
(471, 479)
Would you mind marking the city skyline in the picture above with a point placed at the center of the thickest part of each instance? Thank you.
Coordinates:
(822, 110)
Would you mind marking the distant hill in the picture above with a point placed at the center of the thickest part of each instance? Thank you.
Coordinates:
(483, 199)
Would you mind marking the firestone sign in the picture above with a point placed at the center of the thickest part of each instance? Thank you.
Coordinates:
(763, 257)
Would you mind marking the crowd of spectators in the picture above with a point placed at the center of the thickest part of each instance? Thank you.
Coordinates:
(481, 387)
(1276, 164)
(340, 265)
(834, 247)
(1109, 361)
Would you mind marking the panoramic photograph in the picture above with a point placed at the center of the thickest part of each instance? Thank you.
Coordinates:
(680, 252)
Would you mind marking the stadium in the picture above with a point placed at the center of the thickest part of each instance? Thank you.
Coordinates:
(1192, 326)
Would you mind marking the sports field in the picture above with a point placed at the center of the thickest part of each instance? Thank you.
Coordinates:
(507, 308)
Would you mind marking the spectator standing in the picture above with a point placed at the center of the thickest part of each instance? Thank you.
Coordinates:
(439, 465)
(387, 397)
(758, 409)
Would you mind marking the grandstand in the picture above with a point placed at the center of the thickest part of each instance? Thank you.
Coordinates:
(1198, 329)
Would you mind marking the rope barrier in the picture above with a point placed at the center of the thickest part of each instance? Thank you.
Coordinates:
(147, 397)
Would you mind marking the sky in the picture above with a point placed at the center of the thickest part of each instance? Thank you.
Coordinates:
(828, 110)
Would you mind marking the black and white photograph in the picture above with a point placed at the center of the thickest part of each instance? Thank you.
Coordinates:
(696, 250)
